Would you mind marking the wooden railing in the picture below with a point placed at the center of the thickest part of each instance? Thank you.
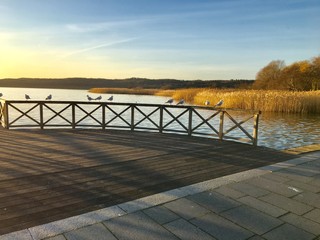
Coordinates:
(190, 120)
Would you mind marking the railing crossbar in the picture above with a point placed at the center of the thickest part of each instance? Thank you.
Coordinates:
(118, 115)
(88, 115)
(57, 114)
(175, 118)
(238, 125)
(147, 116)
(206, 121)
(24, 114)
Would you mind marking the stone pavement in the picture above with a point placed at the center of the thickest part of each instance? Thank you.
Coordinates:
(280, 201)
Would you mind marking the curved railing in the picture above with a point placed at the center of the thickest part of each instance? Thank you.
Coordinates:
(182, 119)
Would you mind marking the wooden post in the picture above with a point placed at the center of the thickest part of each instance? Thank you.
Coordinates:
(255, 128)
(73, 116)
(161, 120)
(6, 115)
(41, 115)
(190, 122)
(221, 125)
(103, 116)
(132, 117)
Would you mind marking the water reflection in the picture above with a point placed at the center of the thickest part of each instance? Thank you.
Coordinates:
(279, 131)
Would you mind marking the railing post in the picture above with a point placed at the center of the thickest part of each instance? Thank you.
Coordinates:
(255, 128)
(221, 125)
(41, 114)
(73, 116)
(5, 115)
(132, 117)
(161, 120)
(103, 116)
(190, 122)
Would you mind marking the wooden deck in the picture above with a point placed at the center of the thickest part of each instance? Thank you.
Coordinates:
(46, 175)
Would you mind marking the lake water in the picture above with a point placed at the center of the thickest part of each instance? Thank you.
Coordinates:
(278, 131)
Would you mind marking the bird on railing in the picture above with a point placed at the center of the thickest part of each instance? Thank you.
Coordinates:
(207, 102)
(89, 98)
(169, 101)
(27, 97)
(1, 95)
(110, 98)
(99, 98)
(219, 103)
(49, 97)
(181, 102)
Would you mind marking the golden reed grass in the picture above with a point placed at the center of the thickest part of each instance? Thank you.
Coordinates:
(264, 100)
(136, 91)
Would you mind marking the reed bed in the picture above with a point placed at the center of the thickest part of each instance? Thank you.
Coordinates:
(264, 100)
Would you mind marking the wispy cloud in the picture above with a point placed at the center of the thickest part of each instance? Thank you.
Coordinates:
(108, 44)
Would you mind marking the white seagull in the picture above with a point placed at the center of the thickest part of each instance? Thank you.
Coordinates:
(1, 94)
(99, 98)
(219, 103)
(27, 97)
(169, 101)
(49, 97)
(89, 98)
(110, 98)
(180, 102)
(207, 102)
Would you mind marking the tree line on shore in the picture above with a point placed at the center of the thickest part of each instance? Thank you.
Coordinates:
(298, 76)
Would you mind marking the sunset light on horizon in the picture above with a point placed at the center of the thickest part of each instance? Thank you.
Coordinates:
(182, 39)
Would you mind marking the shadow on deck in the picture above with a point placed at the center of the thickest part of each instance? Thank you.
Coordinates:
(53, 174)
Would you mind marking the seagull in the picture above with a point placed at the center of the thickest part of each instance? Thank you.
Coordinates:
(219, 103)
(1, 95)
(180, 102)
(169, 101)
(89, 98)
(99, 98)
(49, 97)
(207, 102)
(110, 98)
(27, 96)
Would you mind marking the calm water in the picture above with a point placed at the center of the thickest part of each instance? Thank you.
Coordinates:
(278, 131)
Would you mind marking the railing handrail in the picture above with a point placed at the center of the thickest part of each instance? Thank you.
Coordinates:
(188, 128)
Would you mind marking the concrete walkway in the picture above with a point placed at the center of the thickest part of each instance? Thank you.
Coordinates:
(280, 201)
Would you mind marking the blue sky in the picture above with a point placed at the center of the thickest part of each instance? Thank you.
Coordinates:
(183, 39)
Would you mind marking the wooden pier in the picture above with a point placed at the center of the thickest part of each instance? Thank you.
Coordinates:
(57, 173)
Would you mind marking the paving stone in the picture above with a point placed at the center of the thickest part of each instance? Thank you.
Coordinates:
(275, 178)
(263, 206)
(272, 186)
(315, 182)
(137, 226)
(304, 186)
(21, 235)
(303, 223)
(309, 198)
(221, 228)
(304, 170)
(314, 215)
(161, 215)
(229, 192)
(252, 219)
(288, 232)
(96, 231)
(249, 189)
(59, 237)
(286, 203)
(256, 237)
(214, 201)
(186, 231)
(186, 208)
(293, 176)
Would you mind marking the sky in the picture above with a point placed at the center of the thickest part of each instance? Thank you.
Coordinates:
(181, 39)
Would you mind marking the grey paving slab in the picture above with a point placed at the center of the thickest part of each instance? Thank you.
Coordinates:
(286, 203)
(161, 214)
(272, 186)
(21, 235)
(214, 201)
(186, 208)
(288, 232)
(262, 206)
(303, 223)
(304, 186)
(248, 189)
(96, 231)
(186, 231)
(59, 237)
(252, 219)
(229, 192)
(314, 215)
(292, 175)
(256, 237)
(221, 228)
(276, 177)
(304, 170)
(137, 226)
(310, 198)
(315, 182)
